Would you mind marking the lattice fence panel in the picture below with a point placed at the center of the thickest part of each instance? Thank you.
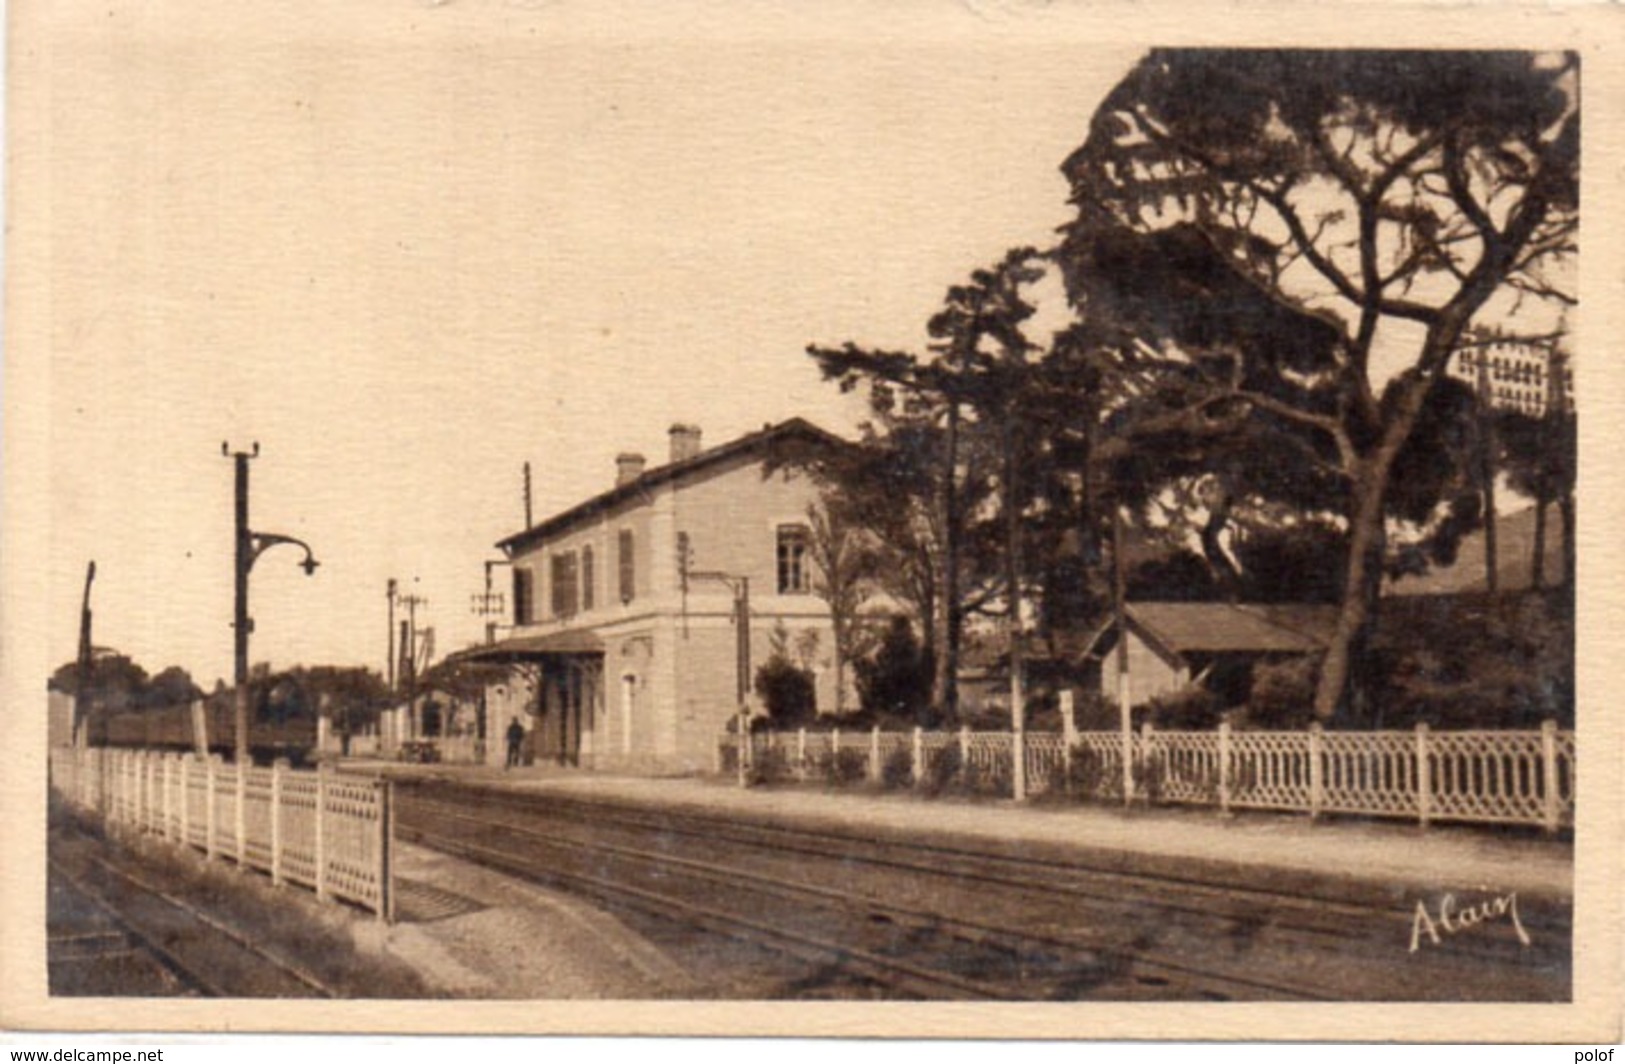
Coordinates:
(939, 757)
(299, 828)
(819, 755)
(988, 767)
(1369, 772)
(225, 799)
(1098, 765)
(1186, 766)
(197, 804)
(350, 840)
(1566, 762)
(1269, 770)
(257, 818)
(1486, 776)
(1045, 763)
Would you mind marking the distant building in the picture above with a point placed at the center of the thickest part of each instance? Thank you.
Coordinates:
(624, 606)
(1519, 376)
(1173, 644)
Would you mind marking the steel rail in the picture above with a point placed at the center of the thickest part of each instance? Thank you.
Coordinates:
(293, 970)
(145, 943)
(1313, 914)
(888, 971)
(982, 934)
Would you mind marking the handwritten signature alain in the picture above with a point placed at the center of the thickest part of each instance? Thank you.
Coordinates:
(1452, 918)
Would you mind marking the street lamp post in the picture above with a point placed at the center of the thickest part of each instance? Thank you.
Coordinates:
(249, 546)
(740, 585)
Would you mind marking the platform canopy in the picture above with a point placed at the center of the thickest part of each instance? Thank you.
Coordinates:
(536, 647)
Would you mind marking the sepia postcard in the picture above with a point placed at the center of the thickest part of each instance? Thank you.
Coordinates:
(992, 519)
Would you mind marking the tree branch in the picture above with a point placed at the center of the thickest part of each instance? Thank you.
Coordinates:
(1325, 422)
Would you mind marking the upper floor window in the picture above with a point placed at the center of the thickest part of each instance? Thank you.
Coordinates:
(627, 568)
(586, 578)
(524, 592)
(564, 584)
(795, 577)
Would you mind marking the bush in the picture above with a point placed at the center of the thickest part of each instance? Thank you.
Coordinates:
(897, 772)
(1094, 775)
(787, 693)
(942, 771)
(1283, 695)
(987, 779)
(848, 767)
(1188, 709)
(771, 766)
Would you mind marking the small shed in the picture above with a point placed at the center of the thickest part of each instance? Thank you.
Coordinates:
(1172, 644)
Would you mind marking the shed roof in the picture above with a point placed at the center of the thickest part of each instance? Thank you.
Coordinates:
(1178, 628)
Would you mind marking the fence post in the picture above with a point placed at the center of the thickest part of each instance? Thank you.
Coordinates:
(1224, 767)
(277, 768)
(917, 756)
(1018, 764)
(1424, 776)
(801, 753)
(1317, 781)
(835, 754)
(320, 822)
(385, 796)
(211, 811)
(1127, 736)
(874, 755)
(1551, 796)
(1148, 758)
(1069, 737)
(964, 747)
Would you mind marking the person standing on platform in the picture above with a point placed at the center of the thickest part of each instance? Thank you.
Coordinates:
(516, 737)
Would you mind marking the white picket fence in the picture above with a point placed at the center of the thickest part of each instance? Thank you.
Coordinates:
(1507, 777)
(312, 828)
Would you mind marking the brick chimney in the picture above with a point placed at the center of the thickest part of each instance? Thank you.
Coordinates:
(685, 442)
(628, 467)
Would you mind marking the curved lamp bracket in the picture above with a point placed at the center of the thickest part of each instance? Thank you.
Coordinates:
(260, 542)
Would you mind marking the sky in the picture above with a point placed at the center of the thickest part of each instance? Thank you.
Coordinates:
(408, 247)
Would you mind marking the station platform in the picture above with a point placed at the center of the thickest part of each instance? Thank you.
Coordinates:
(1401, 859)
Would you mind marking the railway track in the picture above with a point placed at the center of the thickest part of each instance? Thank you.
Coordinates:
(907, 949)
(112, 932)
(1004, 927)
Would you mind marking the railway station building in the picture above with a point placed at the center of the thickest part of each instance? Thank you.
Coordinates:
(637, 611)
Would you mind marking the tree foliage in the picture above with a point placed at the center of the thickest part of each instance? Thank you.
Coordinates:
(1299, 242)
(895, 682)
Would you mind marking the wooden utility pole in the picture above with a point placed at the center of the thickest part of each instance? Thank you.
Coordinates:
(249, 545)
(1486, 467)
(1018, 695)
(81, 685)
(1124, 710)
(948, 653)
